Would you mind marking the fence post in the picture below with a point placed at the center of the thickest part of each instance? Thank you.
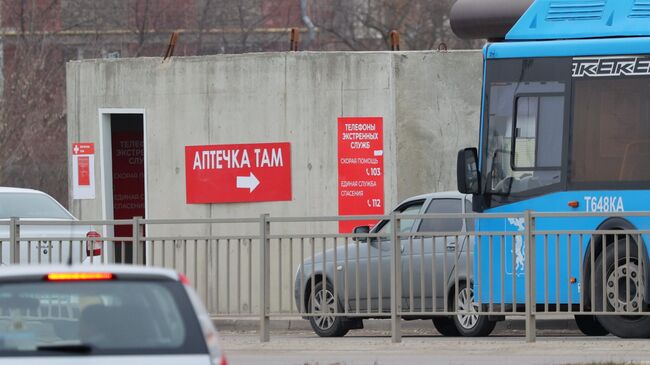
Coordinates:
(531, 299)
(396, 281)
(14, 240)
(265, 273)
(137, 237)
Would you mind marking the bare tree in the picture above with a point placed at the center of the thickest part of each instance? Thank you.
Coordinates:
(238, 26)
(32, 122)
(362, 25)
(207, 9)
(41, 35)
(153, 17)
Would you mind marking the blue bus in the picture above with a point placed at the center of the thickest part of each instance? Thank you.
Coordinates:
(565, 127)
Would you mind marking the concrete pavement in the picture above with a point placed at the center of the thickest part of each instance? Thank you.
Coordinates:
(306, 349)
(422, 345)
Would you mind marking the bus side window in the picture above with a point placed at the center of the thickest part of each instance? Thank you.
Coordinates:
(526, 132)
(538, 132)
(537, 138)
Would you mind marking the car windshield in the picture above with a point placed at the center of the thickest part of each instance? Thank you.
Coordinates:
(101, 317)
(405, 224)
(30, 205)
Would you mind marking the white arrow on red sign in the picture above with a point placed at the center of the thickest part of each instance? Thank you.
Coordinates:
(248, 182)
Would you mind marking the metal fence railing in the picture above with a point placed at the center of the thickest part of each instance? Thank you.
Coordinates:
(273, 267)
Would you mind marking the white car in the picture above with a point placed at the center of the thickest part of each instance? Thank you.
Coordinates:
(37, 245)
(105, 314)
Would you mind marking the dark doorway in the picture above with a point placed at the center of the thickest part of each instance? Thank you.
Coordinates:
(127, 152)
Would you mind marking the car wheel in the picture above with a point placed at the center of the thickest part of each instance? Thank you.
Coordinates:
(323, 304)
(590, 326)
(627, 274)
(467, 321)
(445, 326)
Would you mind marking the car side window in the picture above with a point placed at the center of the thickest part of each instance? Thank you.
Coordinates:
(442, 206)
(406, 225)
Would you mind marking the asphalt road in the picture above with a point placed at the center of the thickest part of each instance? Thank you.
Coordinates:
(375, 348)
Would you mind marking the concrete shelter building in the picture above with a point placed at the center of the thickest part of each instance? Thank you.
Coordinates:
(142, 113)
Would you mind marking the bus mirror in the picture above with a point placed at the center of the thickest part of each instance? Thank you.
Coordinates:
(467, 171)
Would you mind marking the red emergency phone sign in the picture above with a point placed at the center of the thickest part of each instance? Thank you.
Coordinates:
(83, 170)
(361, 169)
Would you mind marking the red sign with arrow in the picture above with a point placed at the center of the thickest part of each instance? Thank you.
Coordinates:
(238, 173)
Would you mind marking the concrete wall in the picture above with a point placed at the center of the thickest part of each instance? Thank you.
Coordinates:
(429, 101)
(437, 110)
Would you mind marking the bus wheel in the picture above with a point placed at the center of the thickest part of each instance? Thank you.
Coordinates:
(590, 326)
(622, 277)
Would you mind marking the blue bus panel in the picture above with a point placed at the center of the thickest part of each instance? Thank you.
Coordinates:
(551, 287)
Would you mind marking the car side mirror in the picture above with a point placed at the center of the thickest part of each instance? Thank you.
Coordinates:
(361, 230)
(467, 171)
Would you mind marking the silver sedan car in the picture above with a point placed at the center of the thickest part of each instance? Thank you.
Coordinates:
(363, 273)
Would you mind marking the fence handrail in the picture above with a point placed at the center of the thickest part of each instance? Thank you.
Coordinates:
(590, 214)
(203, 248)
(318, 219)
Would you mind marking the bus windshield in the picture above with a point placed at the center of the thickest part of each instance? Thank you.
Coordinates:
(547, 128)
(525, 120)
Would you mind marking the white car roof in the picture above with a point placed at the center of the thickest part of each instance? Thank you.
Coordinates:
(10, 190)
(36, 270)
(440, 195)
(5, 189)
